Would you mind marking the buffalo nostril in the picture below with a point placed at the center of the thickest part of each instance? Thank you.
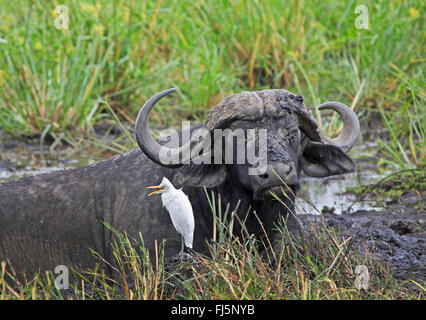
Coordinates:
(264, 176)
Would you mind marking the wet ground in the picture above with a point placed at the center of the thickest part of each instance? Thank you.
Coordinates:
(392, 229)
(397, 237)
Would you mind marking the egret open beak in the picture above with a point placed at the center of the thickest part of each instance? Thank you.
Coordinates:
(159, 188)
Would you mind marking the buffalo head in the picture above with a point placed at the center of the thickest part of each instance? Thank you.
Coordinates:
(294, 142)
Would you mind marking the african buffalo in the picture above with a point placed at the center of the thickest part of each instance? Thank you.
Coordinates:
(53, 219)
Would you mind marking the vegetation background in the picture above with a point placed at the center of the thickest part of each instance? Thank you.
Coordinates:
(119, 53)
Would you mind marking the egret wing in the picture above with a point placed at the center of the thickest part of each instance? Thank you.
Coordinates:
(180, 210)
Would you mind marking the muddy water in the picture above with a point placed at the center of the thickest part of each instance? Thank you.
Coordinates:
(316, 193)
(27, 160)
(21, 164)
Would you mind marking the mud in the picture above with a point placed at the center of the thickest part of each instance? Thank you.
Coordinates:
(398, 239)
(393, 230)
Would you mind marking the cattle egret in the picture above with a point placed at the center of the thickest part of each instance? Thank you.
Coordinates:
(180, 210)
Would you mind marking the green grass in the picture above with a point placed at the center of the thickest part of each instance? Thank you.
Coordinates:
(122, 52)
(406, 147)
(393, 187)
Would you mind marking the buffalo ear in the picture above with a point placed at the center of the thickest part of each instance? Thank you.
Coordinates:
(322, 160)
(200, 175)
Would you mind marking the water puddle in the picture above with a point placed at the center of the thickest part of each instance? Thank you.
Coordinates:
(315, 193)
(24, 162)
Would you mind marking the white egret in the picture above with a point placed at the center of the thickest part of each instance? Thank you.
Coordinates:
(180, 210)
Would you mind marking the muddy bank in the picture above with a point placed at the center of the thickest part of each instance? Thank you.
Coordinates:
(399, 240)
(394, 230)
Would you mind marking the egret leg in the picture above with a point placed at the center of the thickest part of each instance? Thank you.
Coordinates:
(181, 250)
